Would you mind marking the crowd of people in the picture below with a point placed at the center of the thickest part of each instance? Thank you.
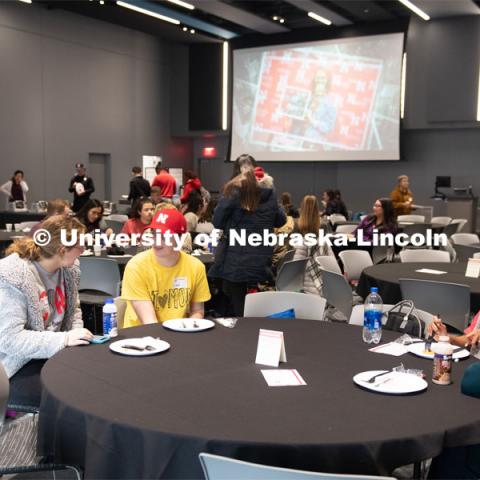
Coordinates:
(39, 284)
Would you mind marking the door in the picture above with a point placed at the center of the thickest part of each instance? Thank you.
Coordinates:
(99, 170)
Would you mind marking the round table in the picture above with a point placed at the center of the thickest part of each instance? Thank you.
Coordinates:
(150, 417)
(386, 277)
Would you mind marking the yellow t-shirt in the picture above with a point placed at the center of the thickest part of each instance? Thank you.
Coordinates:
(170, 289)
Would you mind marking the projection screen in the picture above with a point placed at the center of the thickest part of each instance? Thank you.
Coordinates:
(319, 101)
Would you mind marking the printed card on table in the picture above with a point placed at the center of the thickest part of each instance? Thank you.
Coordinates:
(271, 348)
(283, 378)
(473, 268)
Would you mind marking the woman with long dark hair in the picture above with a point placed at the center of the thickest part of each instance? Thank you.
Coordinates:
(91, 215)
(383, 219)
(290, 210)
(244, 207)
(141, 216)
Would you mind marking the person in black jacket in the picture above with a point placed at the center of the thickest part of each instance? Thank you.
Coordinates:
(139, 187)
(244, 206)
(81, 186)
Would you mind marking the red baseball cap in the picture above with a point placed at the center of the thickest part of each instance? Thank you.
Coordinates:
(168, 220)
(259, 172)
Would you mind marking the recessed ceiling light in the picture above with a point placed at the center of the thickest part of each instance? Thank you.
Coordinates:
(182, 4)
(275, 18)
(319, 18)
(282, 20)
(102, 2)
(25, 1)
(184, 29)
(148, 12)
(192, 30)
(415, 9)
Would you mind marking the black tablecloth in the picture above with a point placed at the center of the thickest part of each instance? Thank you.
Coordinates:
(19, 217)
(150, 417)
(386, 277)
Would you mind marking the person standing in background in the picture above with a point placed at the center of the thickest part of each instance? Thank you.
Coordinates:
(16, 188)
(81, 186)
(165, 181)
(139, 187)
(402, 197)
(192, 182)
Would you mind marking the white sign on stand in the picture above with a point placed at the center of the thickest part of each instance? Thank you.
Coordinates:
(149, 162)
(473, 268)
(271, 348)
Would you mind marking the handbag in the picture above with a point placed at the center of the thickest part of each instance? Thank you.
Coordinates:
(403, 318)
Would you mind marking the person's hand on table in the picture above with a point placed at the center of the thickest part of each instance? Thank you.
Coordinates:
(78, 336)
(470, 340)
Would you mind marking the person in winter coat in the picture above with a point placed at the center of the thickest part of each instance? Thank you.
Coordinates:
(244, 207)
(40, 306)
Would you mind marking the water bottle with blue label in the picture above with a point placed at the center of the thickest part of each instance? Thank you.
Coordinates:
(372, 320)
(110, 318)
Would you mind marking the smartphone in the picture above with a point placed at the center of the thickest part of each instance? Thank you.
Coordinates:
(97, 339)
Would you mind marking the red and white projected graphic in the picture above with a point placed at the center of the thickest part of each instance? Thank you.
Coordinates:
(287, 97)
(325, 100)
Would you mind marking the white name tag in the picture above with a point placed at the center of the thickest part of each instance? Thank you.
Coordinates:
(180, 282)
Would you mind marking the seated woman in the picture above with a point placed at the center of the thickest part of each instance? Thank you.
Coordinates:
(383, 219)
(205, 224)
(40, 307)
(192, 210)
(290, 210)
(309, 222)
(192, 183)
(141, 216)
(91, 215)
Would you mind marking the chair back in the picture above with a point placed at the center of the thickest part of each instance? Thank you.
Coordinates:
(337, 292)
(216, 467)
(411, 218)
(464, 252)
(450, 300)
(101, 275)
(115, 225)
(460, 222)
(476, 255)
(289, 254)
(336, 217)
(416, 228)
(465, 238)
(450, 229)
(4, 393)
(424, 255)
(347, 228)
(263, 304)
(441, 220)
(121, 308)
(328, 262)
(290, 276)
(354, 262)
(117, 217)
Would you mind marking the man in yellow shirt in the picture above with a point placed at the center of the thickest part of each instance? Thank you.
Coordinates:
(163, 283)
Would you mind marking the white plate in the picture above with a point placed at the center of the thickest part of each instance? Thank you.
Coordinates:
(86, 253)
(187, 324)
(127, 255)
(418, 349)
(393, 383)
(160, 346)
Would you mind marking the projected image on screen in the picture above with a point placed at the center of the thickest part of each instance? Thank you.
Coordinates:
(322, 101)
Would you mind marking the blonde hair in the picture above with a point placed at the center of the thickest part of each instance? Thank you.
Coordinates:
(27, 248)
(401, 177)
(164, 205)
(309, 221)
(57, 207)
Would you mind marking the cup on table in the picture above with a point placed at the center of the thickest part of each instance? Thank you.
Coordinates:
(97, 250)
(9, 226)
(16, 227)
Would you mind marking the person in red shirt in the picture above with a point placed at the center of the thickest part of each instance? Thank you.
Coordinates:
(165, 181)
(192, 182)
(142, 216)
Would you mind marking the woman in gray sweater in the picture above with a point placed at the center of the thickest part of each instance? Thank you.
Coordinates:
(40, 306)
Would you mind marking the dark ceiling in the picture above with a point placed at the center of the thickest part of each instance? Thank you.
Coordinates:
(215, 20)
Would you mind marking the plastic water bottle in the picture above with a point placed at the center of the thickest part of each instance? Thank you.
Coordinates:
(110, 318)
(372, 320)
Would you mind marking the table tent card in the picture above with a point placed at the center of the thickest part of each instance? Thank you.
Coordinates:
(473, 268)
(270, 348)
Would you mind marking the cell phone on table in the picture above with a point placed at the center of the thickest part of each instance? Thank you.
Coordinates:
(97, 339)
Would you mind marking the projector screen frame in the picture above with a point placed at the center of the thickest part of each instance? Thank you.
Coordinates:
(297, 38)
